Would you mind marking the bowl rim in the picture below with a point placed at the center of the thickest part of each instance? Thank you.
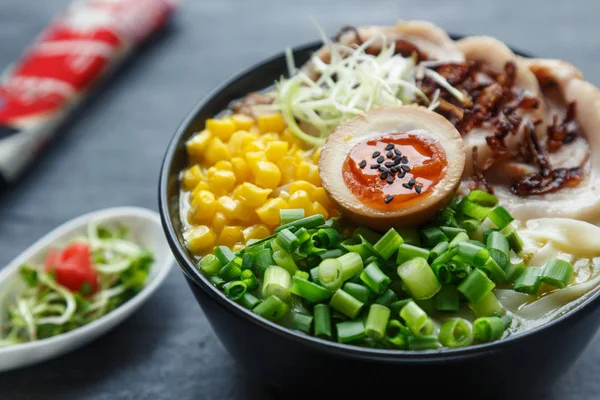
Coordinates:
(187, 265)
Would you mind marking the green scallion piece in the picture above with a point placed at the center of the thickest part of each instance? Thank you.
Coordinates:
(359, 292)
(235, 290)
(408, 251)
(472, 254)
(303, 235)
(322, 321)
(248, 277)
(313, 221)
(374, 278)
(333, 253)
(514, 240)
(350, 331)
(486, 231)
(498, 247)
(249, 301)
(217, 281)
(388, 244)
(358, 244)
(500, 217)
(447, 218)
(476, 286)
(285, 261)
(397, 334)
(287, 240)
(209, 265)
(232, 270)
(487, 329)
(442, 273)
(419, 278)
(352, 265)
(387, 298)
(474, 210)
(302, 275)
(456, 333)
(458, 269)
(272, 308)
(416, 319)
(529, 281)
(330, 274)
(302, 322)
(370, 235)
(277, 282)
(309, 290)
(410, 235)
(426, 342)
(345, 303)
(287, 216)
(494, 271)
(377, 321)
(432, 236)
(447, 299)
(314, 275)
(471, 224)
(451, 232)
(557, 273)
(445, 257)
(487, 306)
(460, 237)
(483, 198)
(247, 261)
(263, 259)
(515, 267)
(438, 250)
(328, 237)
(397, 305)
(224, 254)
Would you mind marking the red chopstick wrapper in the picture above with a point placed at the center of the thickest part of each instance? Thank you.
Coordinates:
(79, 48)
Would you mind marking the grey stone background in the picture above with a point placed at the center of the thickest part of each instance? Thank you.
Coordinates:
(110, 155)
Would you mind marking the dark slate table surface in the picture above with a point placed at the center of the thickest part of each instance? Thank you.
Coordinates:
(110, 155)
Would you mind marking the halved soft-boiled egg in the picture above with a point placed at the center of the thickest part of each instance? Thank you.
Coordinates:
(394, 166)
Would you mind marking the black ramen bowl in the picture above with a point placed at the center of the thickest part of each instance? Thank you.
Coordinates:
(294, 365)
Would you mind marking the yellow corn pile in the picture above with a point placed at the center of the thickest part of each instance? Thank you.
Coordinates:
(243, 172)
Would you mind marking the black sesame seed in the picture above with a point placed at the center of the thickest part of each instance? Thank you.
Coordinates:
(389, 146)
(375, 166)
(380, 159)
(406, 185)
(389, 164)
(401, 174)
(389, 199)
(382, 168)
(396, 158)
(398, 152)
(376, 154)
(362, 164)
(390, 179)
(393, 170)
(389, 154)
(384, 175)
(406, 168)
(418, 189)
(397, 161)
(404, 160)
(412, 181)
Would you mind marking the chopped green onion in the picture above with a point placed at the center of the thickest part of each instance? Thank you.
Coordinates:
(498, 247)
(528, 282)
(232, 270)
(287, 216)
(276, 282)
(333, 253)
(451, 232)
(249, 301)
(217, 281)
(368, 234)
(309, 290)
(357, 291)
(328, 237)
(352, 265)
(514, 240)
(471, 225)
(303, 235)
(447, 299)
(456, 333)
(262, 260)
(442, 273)
(487, 231)
(515, 267)
(224, 254)
(397, 305)
(345, 303)
(472, 254)
(446, 218)
(313, 221)
(460, 237)
(350, 331)
(377, 321)
(287, 240)
(388, 244)
(235, 290)
(438, 250)
(492, 268)
(476, 286)
(247, 261)
(500, 217)
(209, 265)
(408, 251)
(410, 235)
(248, 277)
(506, 320)
(425, 342)
(330, 274)
(358, 244)
(418, 277)
(314, 275)
(487, 329)
(387, 298)
(322, 321)
(397, 334)
(272, 308)
(557, 273)
(302, 275)
(302, 322)
(374, 278)
(487, 306)
(432, 236)
(416, 319)
(445, 257)
(285, 261)
(458, 269)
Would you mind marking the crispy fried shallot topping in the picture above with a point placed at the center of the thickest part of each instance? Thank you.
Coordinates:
(564, 132)
(478, 181)
(244, 105)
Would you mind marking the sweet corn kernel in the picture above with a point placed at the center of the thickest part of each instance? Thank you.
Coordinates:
(254, 130)
(197, 144)
(266, 174)
(287, 165)
(320, 195)
(316, 156)
(254, 157)
(192, 177)
(222, 128)
(228, 206)
(242, 122)
(251, 195)
(216, 151)
(200, 186)
(269, 137)
(225, 165)
(205, 202)
(270, 123)
(308, 172)
(219, 221)
(269, 212)
(290, 137)
(301, 199)
(319, 209)
(241, 169)
(284, 195)
(199, 238)
(222, 181)
(239, 140)
(230, 235)
(210, 172)
(246, 214)
(276, 150)
(256, 232)
(302, 185)
(255, 145)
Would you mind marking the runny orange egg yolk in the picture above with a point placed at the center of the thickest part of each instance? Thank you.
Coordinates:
(390, 171)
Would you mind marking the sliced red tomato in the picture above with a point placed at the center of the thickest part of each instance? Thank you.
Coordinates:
(73, 269)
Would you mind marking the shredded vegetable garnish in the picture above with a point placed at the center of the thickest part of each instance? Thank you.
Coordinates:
(87, 279)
